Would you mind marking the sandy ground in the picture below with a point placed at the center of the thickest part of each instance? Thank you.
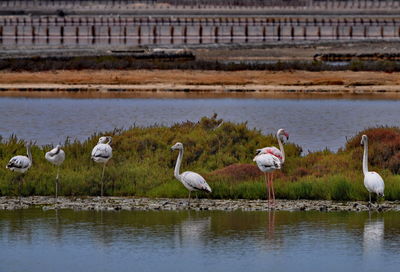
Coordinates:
(206, 82)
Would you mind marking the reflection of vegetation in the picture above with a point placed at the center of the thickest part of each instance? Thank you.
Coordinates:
(143, 164)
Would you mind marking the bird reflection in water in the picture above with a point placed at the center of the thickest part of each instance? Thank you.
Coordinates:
(373, 237)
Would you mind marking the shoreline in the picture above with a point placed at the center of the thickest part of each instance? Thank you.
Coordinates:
(202, 83)
(172, 204)
(192, 90)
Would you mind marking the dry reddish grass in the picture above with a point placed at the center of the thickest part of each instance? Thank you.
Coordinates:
(203, 77)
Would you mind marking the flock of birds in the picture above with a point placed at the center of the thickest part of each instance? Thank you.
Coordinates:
(268, 160)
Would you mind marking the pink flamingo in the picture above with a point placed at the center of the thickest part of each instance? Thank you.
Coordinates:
(269, 159)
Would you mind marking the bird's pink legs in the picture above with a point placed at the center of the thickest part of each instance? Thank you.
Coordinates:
(272, 189)
(266, 175)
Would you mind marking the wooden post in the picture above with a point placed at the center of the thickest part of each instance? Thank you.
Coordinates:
(172, 33)
(93, 34)
(279, 32)
(47, 35)
(33, 34)
(351, 32)
(139, 34)
(185, 34)
(62, 34)
(292, 33)
(77, 35)
(337, 32)
(16, 34)
(264, 32)
(231, 32)
(155, 34)
(216, 34)
(246, 33)
(125, 34)
(109, 34)
(1, 34)
(201, 34)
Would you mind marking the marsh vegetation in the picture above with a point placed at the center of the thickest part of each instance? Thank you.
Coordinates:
(142, 164)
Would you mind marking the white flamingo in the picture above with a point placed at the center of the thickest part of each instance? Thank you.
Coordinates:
(372, 180)
(56, 156)
(102, 153)
(191, 180)
(269, 159)
(21, 164)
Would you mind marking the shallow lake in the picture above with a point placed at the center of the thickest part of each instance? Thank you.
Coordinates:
(64, 240)
(312, 123)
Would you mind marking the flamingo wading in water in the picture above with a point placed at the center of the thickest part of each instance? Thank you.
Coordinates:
(21, 164)
(269, 159)
(191, 180)
(56, 156)
(102, 153)
(372, 180)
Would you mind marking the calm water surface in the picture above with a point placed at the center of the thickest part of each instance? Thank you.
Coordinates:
(34, 240)
(312, 123)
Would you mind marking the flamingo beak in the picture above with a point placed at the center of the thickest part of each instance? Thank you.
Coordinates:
(287, 136)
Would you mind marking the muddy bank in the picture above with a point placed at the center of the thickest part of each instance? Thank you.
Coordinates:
(143, 204)
(201, 90)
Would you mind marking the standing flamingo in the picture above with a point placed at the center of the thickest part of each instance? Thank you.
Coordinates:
(191, 180)
(269, 159)
(21, 164)
(372, 180)
(56, 156)
(102, 153)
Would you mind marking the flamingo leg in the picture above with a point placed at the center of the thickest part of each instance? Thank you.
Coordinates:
(189, 199)
(102, 184)
(269, 190)
(272, 189)
(19, 189)
(266, 175)
(57, 177)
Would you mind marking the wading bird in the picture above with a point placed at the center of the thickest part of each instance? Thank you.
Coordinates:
(372, 180)
(102, 153)
(21, 164)
(269, 159)
(191, 180)
(56, 156)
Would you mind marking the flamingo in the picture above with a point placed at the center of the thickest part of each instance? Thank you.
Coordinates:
(56, 156)
(191, 180)
(21, 164)
(102, 153)
(269, 159)
(372, 180)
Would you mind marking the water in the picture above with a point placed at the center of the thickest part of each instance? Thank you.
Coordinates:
(312, 123)
(64, 240)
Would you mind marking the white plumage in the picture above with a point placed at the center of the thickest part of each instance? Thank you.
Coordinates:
(194, 182)
(373, 182)
(102, 153)
(267, 162)
(55, 156)
(269, 159)
(191, 180)
(21, 163)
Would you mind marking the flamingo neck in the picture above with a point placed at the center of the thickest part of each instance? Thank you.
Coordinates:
(365, 158)
(28, 152)
(178, 164)
(281, 148)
